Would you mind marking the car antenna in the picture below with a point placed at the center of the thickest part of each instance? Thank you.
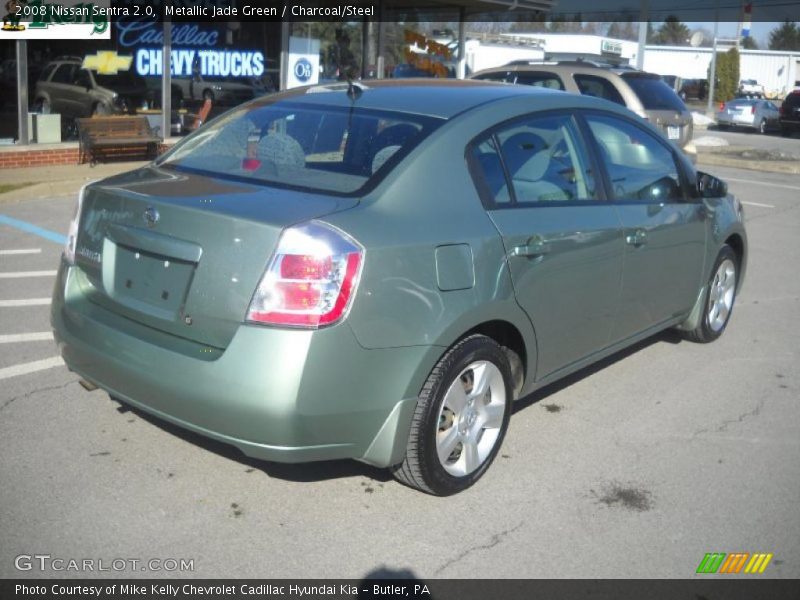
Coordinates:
(354, 90)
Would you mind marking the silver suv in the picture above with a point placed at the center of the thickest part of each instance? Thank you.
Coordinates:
(646, 94)
(66, 88)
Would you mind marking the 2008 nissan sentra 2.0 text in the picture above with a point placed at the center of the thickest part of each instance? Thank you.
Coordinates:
(378, 271)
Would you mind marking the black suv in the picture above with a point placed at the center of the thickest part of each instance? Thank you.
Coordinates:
(790, 114)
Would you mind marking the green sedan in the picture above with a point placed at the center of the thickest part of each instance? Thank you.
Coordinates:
(377, 271)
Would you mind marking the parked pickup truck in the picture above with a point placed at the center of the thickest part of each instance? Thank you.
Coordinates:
(751, 87)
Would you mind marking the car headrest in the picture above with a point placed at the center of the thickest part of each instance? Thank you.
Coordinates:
(382, 156)
(527, 156)
(281, 149)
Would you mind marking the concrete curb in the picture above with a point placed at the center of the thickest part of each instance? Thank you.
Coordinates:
(791, 167)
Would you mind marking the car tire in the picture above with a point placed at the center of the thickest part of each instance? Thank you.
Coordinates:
(722, 127)
(762, 127)
(456, 430)
(719, 298)
(100, 110)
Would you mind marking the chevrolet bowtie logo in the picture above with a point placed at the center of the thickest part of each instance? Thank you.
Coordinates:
(107, 62)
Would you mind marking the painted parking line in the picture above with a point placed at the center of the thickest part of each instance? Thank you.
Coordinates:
(31, 367)
(24, 302)
(19, 338)
(758, 204)
(20, 251)
(23, 274)
(34, 229)
(767, 183)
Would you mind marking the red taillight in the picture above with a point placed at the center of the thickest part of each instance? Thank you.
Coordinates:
(753, 109)
(311, 278)
(300, 266)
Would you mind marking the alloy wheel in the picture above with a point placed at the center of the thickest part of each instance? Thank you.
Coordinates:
(471, 418)
(721, 295)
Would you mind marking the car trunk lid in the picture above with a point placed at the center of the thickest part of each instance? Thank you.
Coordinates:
(183, 253)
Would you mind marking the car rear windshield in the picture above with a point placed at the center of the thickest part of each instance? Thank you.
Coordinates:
(654, 93)
(319, 148)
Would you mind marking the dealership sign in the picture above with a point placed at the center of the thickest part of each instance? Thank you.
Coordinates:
(303, 61)
(208, 63)
(150, 33)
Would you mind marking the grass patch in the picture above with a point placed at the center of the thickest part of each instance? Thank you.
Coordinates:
(10, 187)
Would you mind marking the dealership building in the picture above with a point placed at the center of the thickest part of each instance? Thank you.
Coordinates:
(199, 69)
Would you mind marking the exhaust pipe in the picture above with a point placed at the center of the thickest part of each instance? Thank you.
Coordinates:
(87, 385)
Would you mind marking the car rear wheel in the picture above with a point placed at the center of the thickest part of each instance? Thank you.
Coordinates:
(719, 299)
(461, 418)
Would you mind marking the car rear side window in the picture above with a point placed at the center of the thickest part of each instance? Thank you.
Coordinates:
(64, 73)
(599, 87)
(542, 157)
(487, 170)
(545, 80)
(639, 166)
(654, 93)
(503, 76)
(329, 149)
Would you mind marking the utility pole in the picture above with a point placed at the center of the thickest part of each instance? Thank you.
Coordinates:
(712, 76)
(643, 23)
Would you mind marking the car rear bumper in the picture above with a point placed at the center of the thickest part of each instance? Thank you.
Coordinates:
(276, 394)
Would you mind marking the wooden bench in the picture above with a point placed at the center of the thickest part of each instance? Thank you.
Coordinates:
(117, 137)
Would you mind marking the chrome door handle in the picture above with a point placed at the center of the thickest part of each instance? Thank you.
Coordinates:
(536, 246)
(637, 238)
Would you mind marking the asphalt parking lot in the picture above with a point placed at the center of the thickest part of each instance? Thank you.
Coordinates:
(634, 468)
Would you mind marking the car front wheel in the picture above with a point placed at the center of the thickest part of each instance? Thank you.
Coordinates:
(719, 299)
(461, 418)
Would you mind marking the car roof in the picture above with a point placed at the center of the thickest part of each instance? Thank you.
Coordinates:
(442, 98)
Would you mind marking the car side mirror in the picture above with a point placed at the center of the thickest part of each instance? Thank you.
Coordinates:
(709, 186)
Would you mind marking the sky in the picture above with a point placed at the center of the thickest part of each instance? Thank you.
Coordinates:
(758, 30)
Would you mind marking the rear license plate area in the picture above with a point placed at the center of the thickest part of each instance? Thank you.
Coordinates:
(144, 280)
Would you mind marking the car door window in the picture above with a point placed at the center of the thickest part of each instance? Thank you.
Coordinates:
(600, 87)
(82, 78)
(545, 161)
(63, 74)
(639, 166)
(543, 158)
